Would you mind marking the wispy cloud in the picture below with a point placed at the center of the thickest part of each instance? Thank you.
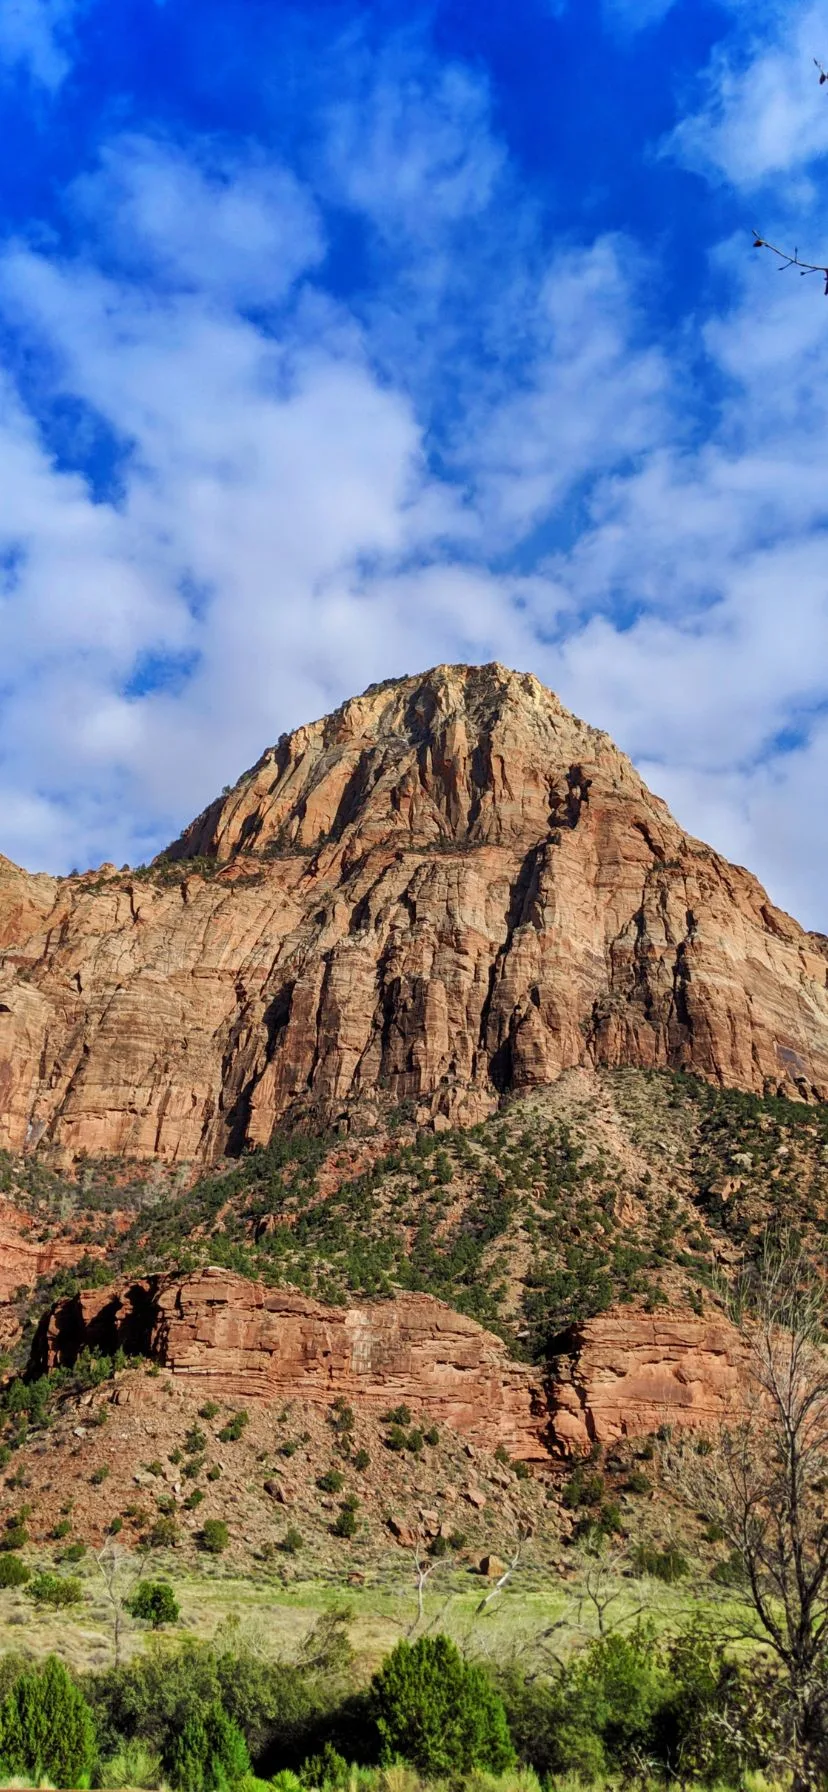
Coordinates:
(36, 35)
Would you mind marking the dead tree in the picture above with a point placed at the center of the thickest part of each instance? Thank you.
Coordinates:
(764, 1484)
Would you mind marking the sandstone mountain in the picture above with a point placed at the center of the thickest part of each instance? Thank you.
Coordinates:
(447, 890)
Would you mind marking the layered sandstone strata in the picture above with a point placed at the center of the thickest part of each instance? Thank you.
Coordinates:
(629, 1374)
(623, 1374)
(447, 889)
(242, 1341)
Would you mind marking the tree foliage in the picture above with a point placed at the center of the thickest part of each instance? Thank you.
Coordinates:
(46, 1728)
(438, 1711)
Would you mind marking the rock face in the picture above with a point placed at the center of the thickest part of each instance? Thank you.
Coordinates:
(626, 1374)
(621, 1375)
(447, 889)
(243, 1341)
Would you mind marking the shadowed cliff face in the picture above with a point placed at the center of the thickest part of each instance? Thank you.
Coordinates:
(448, 889)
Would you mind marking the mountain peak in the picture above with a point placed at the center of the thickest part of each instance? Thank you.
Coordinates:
(447, 890)
(437, 757)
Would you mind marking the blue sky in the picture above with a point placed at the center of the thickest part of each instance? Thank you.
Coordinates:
(340, 341)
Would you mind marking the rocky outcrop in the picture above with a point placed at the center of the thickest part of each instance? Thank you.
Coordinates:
(447, 889)
(242, 1341)
(623, 1374)
(627, 1374)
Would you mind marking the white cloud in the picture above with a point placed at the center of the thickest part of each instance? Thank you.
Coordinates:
(764, 115)
(208, 221)
(36, 35)
(284, 530)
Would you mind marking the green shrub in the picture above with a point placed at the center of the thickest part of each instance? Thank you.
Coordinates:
(210, 1410)
(231, 1432)
(439, 1712)
(668, 1564)
(15, 1536)
(398, 1415)
(637, 1481)
(209, 1754)
(61, 1529)
(362, 1460)
(292, 1541)
(194, 1499)
(396, 1438)
(13, 1572)
(621, 1681)
(214, 1473)
(132, 1764)
(331, 1482)
(155, 1603)
(214, 1536)
(163, 1534)
(46, 1728)
(432, 1435)
(346, 1523)
(54, 1589)
(99, 1474)
(195, 1441)
(583, 1489)
(74, 1553)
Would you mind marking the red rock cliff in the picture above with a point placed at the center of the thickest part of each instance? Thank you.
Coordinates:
(449, 888)
(621, 1375)
(243, 1341)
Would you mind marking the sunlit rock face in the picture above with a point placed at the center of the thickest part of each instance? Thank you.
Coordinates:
(448, 889)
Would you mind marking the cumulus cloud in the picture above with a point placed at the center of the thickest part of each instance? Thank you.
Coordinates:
(493, 454)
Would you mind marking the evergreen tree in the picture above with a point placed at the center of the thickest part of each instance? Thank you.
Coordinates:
(439, 1712)
(46, 1727)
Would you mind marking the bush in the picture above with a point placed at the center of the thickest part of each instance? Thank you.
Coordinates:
(155, 1603)
(398, 1415)
(209, 1754)
(46, 1728)
(13, 1572)
(133, 1764)
(164, 1534)
(362, 1460)
(346, 1524)
(54, 1590)
(331, 1482)
(439, 1712)
(209, 1410)
(15, 1536)
(668, 1564)
(231, 1432)
(99, 1475)
(396, 1438)
(625, 1678)
(292, 1541)
(214, 1536)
